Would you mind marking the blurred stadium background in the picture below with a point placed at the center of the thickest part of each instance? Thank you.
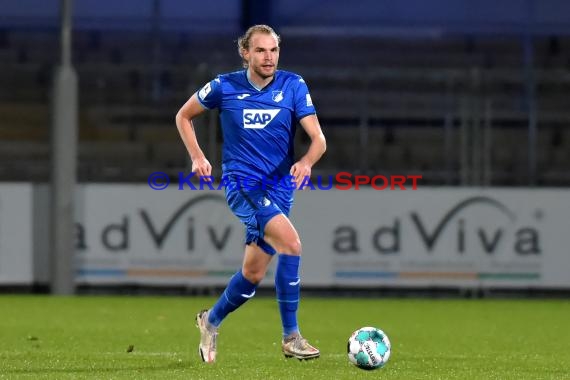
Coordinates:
(472, 95)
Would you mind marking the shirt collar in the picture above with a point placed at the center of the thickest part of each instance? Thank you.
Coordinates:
(253, 85)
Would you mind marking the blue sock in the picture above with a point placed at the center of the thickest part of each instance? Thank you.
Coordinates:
(288, 288)
(238, 291)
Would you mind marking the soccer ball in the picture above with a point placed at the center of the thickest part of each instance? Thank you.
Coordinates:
(368, 348)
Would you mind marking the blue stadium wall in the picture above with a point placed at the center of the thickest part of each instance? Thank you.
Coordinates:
(372, 16)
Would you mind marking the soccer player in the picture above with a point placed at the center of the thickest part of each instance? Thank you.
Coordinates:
(259, 108)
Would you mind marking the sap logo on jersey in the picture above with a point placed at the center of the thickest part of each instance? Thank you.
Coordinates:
(258, 118)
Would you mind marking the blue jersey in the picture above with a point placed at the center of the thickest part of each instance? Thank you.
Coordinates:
(258, 126)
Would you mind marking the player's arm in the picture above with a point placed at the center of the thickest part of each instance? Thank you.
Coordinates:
(192, 108)
(302, 168)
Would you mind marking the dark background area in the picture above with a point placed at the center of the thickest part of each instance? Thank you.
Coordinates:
(465, 93)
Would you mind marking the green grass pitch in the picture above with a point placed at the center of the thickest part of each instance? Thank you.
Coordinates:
(139, 337)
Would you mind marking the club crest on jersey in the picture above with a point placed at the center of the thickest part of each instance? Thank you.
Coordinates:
(258, 118)
(277, 96)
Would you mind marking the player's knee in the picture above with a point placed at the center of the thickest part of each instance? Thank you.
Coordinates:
(292, 247)
(253, 275)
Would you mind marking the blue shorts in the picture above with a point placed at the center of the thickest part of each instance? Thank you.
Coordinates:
(256, 207)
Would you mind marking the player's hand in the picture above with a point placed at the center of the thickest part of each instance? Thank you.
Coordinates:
(300, 170)
(202, 168)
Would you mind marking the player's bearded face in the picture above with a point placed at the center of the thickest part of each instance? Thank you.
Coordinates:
(263, 55)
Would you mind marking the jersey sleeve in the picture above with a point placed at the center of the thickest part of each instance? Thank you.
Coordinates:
(303, 102)
(210, 96)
